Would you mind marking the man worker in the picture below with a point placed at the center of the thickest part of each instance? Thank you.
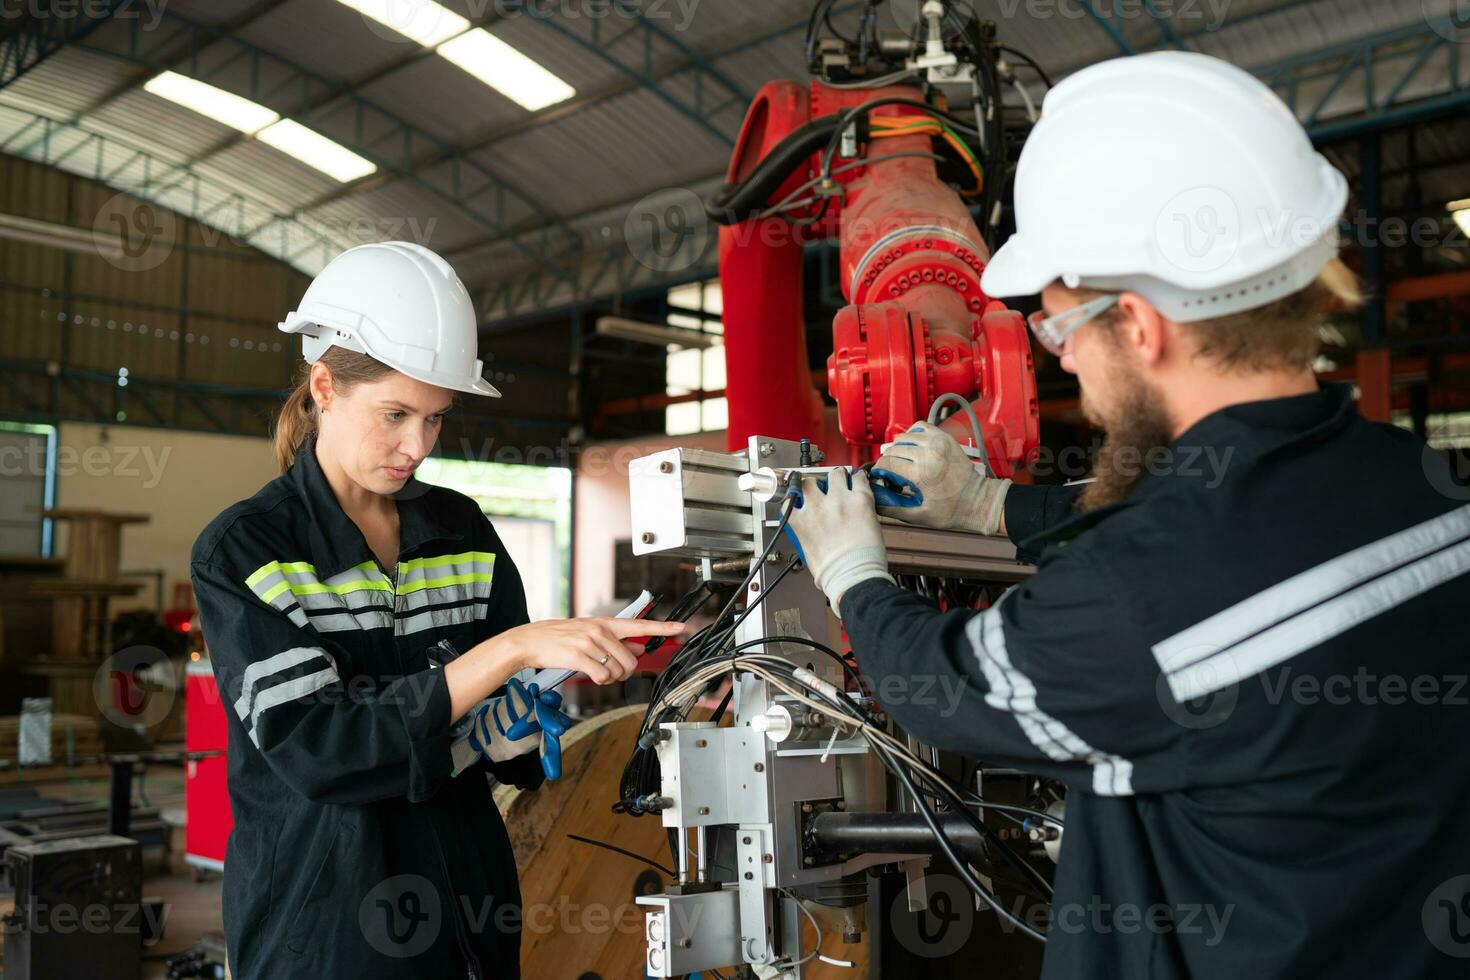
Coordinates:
(1246, 674)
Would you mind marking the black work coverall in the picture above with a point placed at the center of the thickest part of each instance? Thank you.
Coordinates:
(354, 854)
(1252, 676)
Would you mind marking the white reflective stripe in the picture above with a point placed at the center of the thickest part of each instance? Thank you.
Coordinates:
(430, 618)
(290, 690)
(1301, 633)
(277, 664)
(443, 595)
(1307, 589)
(1013, 692)
(370, 619)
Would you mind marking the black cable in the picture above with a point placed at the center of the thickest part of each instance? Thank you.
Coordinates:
(1045, 78)
(619, 850)
(960, 865)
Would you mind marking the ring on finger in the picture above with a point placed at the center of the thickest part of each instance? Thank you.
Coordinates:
(604, 660)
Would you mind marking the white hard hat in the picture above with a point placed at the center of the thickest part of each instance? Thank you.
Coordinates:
(1174, 175)
(400, 304)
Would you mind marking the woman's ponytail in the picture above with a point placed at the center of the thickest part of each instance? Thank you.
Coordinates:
(296, 421)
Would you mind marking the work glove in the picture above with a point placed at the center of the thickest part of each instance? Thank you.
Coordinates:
(836, 526)
(948, 492)
(524, 719)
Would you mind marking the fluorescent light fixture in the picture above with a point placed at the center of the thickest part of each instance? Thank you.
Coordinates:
(506, 70)
(1460, 211)
(315, 150)
(652, 333)
(219, 105)
(424, 21)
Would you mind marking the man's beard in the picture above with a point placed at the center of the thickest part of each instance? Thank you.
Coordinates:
(1132, 428)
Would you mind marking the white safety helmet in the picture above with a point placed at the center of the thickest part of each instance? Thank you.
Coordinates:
(1176, 176)
(400, 304)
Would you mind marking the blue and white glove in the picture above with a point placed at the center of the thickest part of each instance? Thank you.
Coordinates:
(837, 527)
(524, 719)
(948, 490)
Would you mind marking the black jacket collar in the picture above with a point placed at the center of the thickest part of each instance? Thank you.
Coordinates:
(1235, 436)
(336, 542)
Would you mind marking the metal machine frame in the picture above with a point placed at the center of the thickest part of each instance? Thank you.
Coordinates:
(764, 778)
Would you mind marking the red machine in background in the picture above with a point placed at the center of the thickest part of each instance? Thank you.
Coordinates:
(918, 326)
(206, 794)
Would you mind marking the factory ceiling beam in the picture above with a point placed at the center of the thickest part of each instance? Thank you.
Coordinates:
(1090, 8)
(127, 167)
(650, 38)
(29, 35)
(1308, 83)
(464, 184)
(1338, 91)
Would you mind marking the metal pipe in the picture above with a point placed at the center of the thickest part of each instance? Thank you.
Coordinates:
(703, 856)
(683, 855)
(890, 833)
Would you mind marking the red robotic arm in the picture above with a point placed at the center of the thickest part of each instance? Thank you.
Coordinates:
(918, 325)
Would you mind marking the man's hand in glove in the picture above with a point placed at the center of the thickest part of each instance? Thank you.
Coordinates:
(839, 534)
(954, 494)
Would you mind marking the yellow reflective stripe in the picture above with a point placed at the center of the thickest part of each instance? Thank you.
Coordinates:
(469, 556)
(434, 583)
(270, 568)
(311, 588)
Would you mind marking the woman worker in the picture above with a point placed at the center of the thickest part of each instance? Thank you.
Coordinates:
(365, 840)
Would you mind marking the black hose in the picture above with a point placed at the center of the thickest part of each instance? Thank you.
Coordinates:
(735, 203)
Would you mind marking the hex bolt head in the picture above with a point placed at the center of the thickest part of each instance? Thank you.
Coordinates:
(666, 467)
(646, 537)
(767, 448)
(760, 767)
(749, 876)
(766, 859)
(704, 811)
(745, 840)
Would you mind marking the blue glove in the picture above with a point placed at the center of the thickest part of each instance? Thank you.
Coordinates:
(888, 491)
(507, 727)
(843, 541)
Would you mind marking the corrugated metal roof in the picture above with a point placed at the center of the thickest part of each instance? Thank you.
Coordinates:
(582, 165)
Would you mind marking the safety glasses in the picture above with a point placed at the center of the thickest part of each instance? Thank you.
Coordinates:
(1053, 331)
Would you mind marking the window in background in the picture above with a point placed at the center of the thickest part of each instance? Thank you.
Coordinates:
(1444, 430)
(27, 487)
(696, 306)
(531, 508)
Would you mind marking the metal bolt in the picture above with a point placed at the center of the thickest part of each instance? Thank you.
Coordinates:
(766, 859)
(704, 811)
(767, 448)
(806, 808)
(842, 804)
(745, 840)
(755, 586)
(685, 943)
(701, 743)
(646, 537)
(749, 876)
(775, 558)
(666, 467)
(760, 767)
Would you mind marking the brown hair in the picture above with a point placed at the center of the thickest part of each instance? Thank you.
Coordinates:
(1283, 334)
(298, 417)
